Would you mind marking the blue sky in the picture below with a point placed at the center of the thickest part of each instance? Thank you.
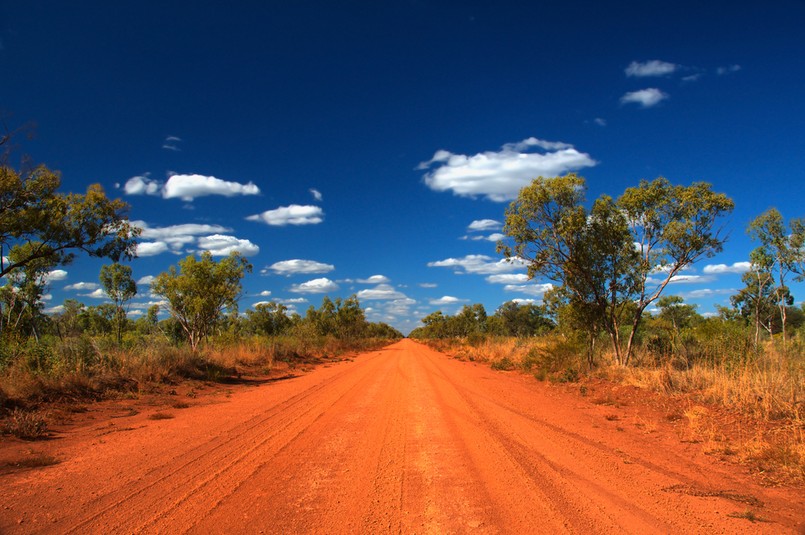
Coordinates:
(361, 147)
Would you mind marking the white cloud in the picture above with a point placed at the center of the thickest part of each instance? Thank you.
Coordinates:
(221, 245)
(654, 67)
(375, 279)
(508, 278)
(428, 285)
(290, 215)
(480, 264)
(146, 280)
(683, 279)
(499, 176)
(646, 98)
(481, 225)
(492, 237)
(187, 187)
(721, 71)
(178, 236)
(707, 292)
(737, 267)
(315, 286)
(172, 143)
(292, 301)
(142, 185)
(265, 293)
(58, 309)
(521, 301)
(97, 294)
(599, 121)
(317, 196)
(380, 292)
(55, 275)
(83, 286)
(297, 266)
(447, 300)
(261, 303)
(152, 248)
(529, 289)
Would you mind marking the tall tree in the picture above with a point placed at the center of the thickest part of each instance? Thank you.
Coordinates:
(200, 290)
(21, 298)
(608, 258)
(782, 252)
(120, 287)
(33, 211)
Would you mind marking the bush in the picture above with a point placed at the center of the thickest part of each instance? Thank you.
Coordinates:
(27, 425)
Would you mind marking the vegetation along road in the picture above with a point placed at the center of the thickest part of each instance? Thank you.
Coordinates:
(402, 440)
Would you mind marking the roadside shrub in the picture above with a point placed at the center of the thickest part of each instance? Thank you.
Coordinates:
(558, 360)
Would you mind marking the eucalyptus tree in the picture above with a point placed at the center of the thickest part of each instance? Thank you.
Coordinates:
(781, 252)
(119, 285)
(200, 290)
(616, 258)
(57, 225)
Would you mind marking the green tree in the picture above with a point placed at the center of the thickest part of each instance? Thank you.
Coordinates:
(200, 290)
(781, 251)
(21, 298)
(269, 318)
(56, 224)
(617, 258)
(756, 300)
(120, 287)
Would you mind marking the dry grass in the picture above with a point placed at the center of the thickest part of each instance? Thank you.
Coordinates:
(27, 425)
(766, 392)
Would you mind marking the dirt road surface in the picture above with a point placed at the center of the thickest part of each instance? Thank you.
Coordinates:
(402, 440)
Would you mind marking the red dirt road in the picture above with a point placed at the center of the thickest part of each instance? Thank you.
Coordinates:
(403, 440)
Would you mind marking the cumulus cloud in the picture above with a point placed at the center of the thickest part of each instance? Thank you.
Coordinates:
(142, 185)
(58, 309)
(508, 278)
(294, 214)
(97, 294)
(529, 289)
(265, 293)
(654, 67)
(521, 301)
(222, 245)
(380, 292)
(146, 280)
(375, 279)
(646, 98)
(297, 266)
(317, 196)
(499, 176)
(176, 237)
(315, 286)
(152, 248)
(55, 275)
(480, 264)
(482, 225)
(428, 285)
(737, 267)
(447, 300)
(497, 236)
(187, 187)
(292, 301)
(83, 286)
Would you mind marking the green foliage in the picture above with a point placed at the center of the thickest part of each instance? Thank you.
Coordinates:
(200, 290)
(602, 259)
(781, 253)
(118, 284)
(32, 211)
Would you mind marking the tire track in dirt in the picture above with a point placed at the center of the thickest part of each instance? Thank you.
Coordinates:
(404, 440)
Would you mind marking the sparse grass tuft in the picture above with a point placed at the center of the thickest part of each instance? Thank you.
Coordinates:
(27, 425)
